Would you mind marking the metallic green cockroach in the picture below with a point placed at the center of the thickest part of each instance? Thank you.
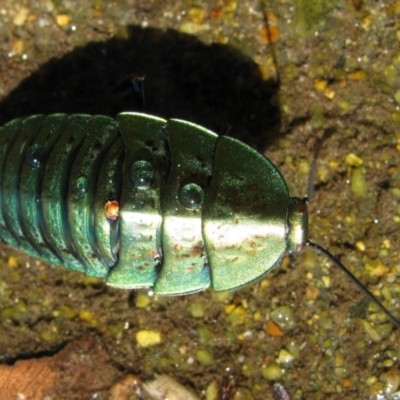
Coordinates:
(147, 202)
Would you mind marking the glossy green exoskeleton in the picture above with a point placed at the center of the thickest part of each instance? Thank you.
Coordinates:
(146, 202)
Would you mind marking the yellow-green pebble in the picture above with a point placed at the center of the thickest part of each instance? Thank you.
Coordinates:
(204, 357)
(15, 276)
(212, 391)
(377, 388)
(20, 310)
(91, 280)
(197, 309)
(237, 316)
(360, 345)
(344, 105)
(326, 323)
(148, 338)
(384, 330)
(392, 381)
(395, 192)
(246, 370)
(340, 372)
(87, 316)
(397, 96)
(66, 312)
(396, 116)
(353, 160)
(205, 335)
(12, 262)
(388, 363)
(272, 371)
(142, 300)
(7, 313)
(317, 116)
(323, 172)
(191, 28)
(304, 167)
(285, 358)
(339, 359)
(294, 349)
(373, 334)
(115, 331)
(358, 182)
(371, 380)
(222, 297)
(48, 335)
(283, 316)
(242, 393)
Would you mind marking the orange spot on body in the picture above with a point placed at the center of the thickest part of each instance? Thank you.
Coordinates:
(112, 209)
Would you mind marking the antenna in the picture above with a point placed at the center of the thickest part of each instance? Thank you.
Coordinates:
(328, 255)
(338, 264)
(138, 87)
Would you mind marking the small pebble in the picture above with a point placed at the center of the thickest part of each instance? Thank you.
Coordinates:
(384, 330)
(204, 357)
(392, 381)
(197, 15)
(49, 335)
(285, 358)
(397, 97)
(329, 94)
(66, 312)
(273, 329)
(212, 391)
(242, 394)
(283, 316)
(360, 245)
(320, 85)
(237, 316)
(87, 316)
(12, 262)
(371, 380)
(221, 297)
(272, 371)
(358, 183)
(388, 363)
(353, 160)
(192, 28)
(358, 75)
(294, 349)
(21, 16)
(346, 383)
(372, 333)
(205, 335)
(164, 387)
(142, 300)
(127, 388)
(279, 392)
(376, 388)
(396, 116)
(148, 338)
(18, 47)
(62, 19)
(197, 309)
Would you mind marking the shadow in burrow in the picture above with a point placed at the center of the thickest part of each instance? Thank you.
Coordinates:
(215, 85)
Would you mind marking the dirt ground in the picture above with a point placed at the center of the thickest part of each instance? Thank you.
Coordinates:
(275, 74)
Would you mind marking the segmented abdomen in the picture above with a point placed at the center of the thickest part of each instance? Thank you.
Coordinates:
(53, 191)
(141, 201)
